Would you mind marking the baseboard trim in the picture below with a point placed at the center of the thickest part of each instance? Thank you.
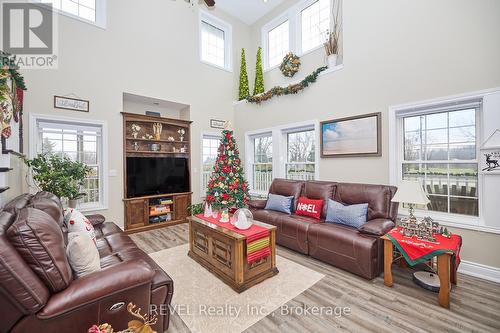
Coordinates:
(479, 270)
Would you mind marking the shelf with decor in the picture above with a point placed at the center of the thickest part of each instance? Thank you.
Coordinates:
(153, 147)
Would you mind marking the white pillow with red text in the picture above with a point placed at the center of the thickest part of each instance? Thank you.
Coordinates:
(76, 222)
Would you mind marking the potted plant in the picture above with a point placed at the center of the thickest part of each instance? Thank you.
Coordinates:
(333, 37)
(59, 175)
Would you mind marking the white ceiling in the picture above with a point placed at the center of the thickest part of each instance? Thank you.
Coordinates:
(248, 11)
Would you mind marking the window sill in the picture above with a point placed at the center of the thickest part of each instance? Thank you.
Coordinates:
(229, 70)
(325, 72)
(91, 209)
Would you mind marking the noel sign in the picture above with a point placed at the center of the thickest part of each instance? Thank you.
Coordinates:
(74, 104)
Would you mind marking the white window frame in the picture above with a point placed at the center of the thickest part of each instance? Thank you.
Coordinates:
(103, 177)
(205, 135)
(293, 15)
(228, 39)
(100, 13)
(396, 152)
(280, 152)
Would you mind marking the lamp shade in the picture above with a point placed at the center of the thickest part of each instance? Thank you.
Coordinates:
(411, 192)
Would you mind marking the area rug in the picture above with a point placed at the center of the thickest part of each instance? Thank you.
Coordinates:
(206, 304)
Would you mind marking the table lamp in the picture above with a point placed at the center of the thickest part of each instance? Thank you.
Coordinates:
(411, 192)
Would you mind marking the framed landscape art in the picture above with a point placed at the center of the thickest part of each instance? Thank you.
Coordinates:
(356, 136)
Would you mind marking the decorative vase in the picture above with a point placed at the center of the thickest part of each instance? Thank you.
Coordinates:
(136, 146)
(72, 203)
(332, 60)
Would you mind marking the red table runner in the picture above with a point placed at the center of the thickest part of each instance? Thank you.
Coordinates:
(416, 251)
(257, 245)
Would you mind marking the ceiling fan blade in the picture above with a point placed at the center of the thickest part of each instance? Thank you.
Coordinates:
(210, 3)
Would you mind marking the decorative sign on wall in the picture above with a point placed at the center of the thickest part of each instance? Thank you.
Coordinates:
(490, 154)
(68, 103)
(215, 123)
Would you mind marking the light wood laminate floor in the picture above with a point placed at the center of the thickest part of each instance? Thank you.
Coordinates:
(475, 303)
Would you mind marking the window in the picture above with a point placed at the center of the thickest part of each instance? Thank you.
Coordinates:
(215, 41)
(288, 151)
(88, 10)
(278, 44)
(302, 28)
(210, 144)
(262, 167)
(301, 155)
(440, 150)
(81, 142)
(315, 22)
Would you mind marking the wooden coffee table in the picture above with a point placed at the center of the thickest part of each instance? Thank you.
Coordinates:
(223, 252)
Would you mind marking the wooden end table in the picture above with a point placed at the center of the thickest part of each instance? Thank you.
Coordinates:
(446, 271)
(223, 252)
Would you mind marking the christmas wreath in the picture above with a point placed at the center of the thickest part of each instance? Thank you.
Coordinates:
(290, 65)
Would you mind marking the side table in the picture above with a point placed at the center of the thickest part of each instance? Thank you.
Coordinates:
(446, 271)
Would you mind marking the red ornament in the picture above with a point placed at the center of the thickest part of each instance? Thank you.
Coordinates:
(226, 169)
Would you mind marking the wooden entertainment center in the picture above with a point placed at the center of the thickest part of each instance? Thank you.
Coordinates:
(155, 137)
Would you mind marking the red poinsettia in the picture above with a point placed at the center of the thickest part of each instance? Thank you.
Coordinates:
(225, 196)
(226, 169)
(210, 198)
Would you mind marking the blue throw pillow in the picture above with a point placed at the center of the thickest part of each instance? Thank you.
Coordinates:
(352, 215)
(279, 203)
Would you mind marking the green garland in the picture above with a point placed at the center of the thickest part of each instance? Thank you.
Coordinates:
(8, 68)
(291, 89)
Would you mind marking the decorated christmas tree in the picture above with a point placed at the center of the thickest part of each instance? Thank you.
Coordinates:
(244, 91)
(259, 76)
(227, 187)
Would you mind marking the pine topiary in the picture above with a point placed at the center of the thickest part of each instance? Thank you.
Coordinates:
(244, 91)
(259, 76)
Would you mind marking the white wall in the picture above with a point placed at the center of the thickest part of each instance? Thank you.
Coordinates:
(149, 50)
(395, 52)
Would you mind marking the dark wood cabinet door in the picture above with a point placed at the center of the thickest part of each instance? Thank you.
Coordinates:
(181, 203)
(136, 213)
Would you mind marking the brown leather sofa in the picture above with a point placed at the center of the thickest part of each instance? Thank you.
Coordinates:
(358, 251)
(38, 292)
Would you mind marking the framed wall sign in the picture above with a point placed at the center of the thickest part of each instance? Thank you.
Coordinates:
(490, 154)
(215, 123)
(357, 136)
(68, 103)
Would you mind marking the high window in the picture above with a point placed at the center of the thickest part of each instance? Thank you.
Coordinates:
(301, 29)
(215, 41)
(82, 142)
(440, 150)
(278, 43)
(210, 144)
(92, 11)
(301, 155)
(315, 23)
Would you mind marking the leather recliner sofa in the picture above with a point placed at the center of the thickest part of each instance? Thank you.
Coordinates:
(359, 251)
(29, 304)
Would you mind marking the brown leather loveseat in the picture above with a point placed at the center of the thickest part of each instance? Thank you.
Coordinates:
(38, 292)
(358, 251)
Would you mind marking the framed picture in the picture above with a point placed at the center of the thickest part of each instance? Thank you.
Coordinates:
(215, 123)
(357, 136)
(68, 103)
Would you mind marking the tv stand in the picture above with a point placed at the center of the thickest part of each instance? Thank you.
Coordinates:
(161, 210)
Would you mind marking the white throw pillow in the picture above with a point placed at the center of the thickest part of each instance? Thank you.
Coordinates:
(82, 254)
(76, 221)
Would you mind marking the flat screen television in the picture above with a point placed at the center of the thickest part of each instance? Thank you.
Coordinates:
(150, 176)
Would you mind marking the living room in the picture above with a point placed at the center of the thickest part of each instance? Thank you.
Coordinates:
(165, 127)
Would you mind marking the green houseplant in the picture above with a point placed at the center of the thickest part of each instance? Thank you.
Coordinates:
(59, 175)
